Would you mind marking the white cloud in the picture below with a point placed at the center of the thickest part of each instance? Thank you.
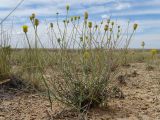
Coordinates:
(121, 6)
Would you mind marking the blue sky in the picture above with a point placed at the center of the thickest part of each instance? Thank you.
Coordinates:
(144, 12)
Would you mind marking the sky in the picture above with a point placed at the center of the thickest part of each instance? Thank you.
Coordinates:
(144, 12)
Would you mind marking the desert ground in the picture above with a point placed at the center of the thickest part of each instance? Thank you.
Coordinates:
(73, 64)
(140, 100)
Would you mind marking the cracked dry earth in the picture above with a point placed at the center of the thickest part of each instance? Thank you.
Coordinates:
(142, 101)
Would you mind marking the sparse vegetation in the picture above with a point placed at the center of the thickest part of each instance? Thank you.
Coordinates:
(5, 67)
(87, 71)
(83, 66)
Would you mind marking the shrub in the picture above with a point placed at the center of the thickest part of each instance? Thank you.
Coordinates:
(5, 55)
(85, 60)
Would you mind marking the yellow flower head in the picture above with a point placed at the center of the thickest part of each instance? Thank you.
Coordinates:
(75, 18)
(86, 15)
(112, 23)
(36, 22)
(25, 28)
(33, 15)
(135, 26)
(67, 7)
(86, 55)
(90, 24)
(31, 18)
(96, 26)
(51, 25)
(106, 27)
(154, 52)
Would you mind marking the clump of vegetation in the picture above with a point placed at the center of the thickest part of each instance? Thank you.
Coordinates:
(85, 62)
(154, 52)
(5, 55)
(5, 67)
(32, 58)
(85, 59)
(152, 60)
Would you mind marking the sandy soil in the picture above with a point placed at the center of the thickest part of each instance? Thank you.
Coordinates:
(142, 101)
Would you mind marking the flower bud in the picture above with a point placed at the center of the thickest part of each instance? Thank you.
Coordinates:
(135, 26)
(31, 18)
(90, 24)
(75, 18)
(112, 23)
(64, 21)
(106, 27)
(33, 15)
(58, 40)
(71, 19)
(36, 22)
(86, 15)
(51, 25)
(25, 28)
(154, 52)
(81, 39)
(86, 55)
(67, 7)
(96, 26)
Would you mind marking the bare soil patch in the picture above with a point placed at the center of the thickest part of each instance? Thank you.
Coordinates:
(141, 102)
